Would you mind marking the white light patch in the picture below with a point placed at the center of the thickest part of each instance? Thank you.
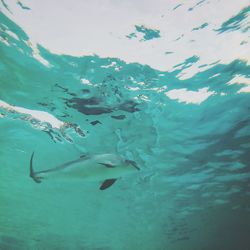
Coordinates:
(13, 35)
(36, 53)
(87, 82)
(4, 41)
(140, 83)
(218, 74)
(144, 98)
(39, 115)
(244, 90)
(132, 88)
(158, 90)
(188, 96)
(241, 80)
(108, 66)
(101, 33)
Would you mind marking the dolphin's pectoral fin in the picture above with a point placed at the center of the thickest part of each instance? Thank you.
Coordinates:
(107, 183)
(107, 165)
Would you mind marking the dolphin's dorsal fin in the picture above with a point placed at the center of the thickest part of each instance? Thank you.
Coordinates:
(107, 165)
(107, 183)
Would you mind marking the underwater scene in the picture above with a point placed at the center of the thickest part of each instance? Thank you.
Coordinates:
(134, 136)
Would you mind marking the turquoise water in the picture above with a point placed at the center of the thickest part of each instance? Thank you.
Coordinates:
(192, 190)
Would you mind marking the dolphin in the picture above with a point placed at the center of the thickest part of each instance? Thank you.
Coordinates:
(105, 167)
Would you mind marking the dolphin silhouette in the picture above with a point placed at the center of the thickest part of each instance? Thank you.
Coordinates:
(105, 167)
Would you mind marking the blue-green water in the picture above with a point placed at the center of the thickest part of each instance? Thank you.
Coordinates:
(192, 190)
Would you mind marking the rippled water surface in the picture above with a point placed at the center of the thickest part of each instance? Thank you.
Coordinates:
(186, 127)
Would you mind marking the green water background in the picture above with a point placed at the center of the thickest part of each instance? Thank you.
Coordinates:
(193, 189)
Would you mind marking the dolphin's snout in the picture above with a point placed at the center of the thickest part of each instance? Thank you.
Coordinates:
(133, 163)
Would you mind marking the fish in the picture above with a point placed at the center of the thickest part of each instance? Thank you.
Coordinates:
(100, 167)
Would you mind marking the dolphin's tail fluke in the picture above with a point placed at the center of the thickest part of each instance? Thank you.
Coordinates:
(32, 173)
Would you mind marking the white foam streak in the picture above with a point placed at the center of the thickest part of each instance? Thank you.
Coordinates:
(39, 115)
(241, 80)
(36, 53)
